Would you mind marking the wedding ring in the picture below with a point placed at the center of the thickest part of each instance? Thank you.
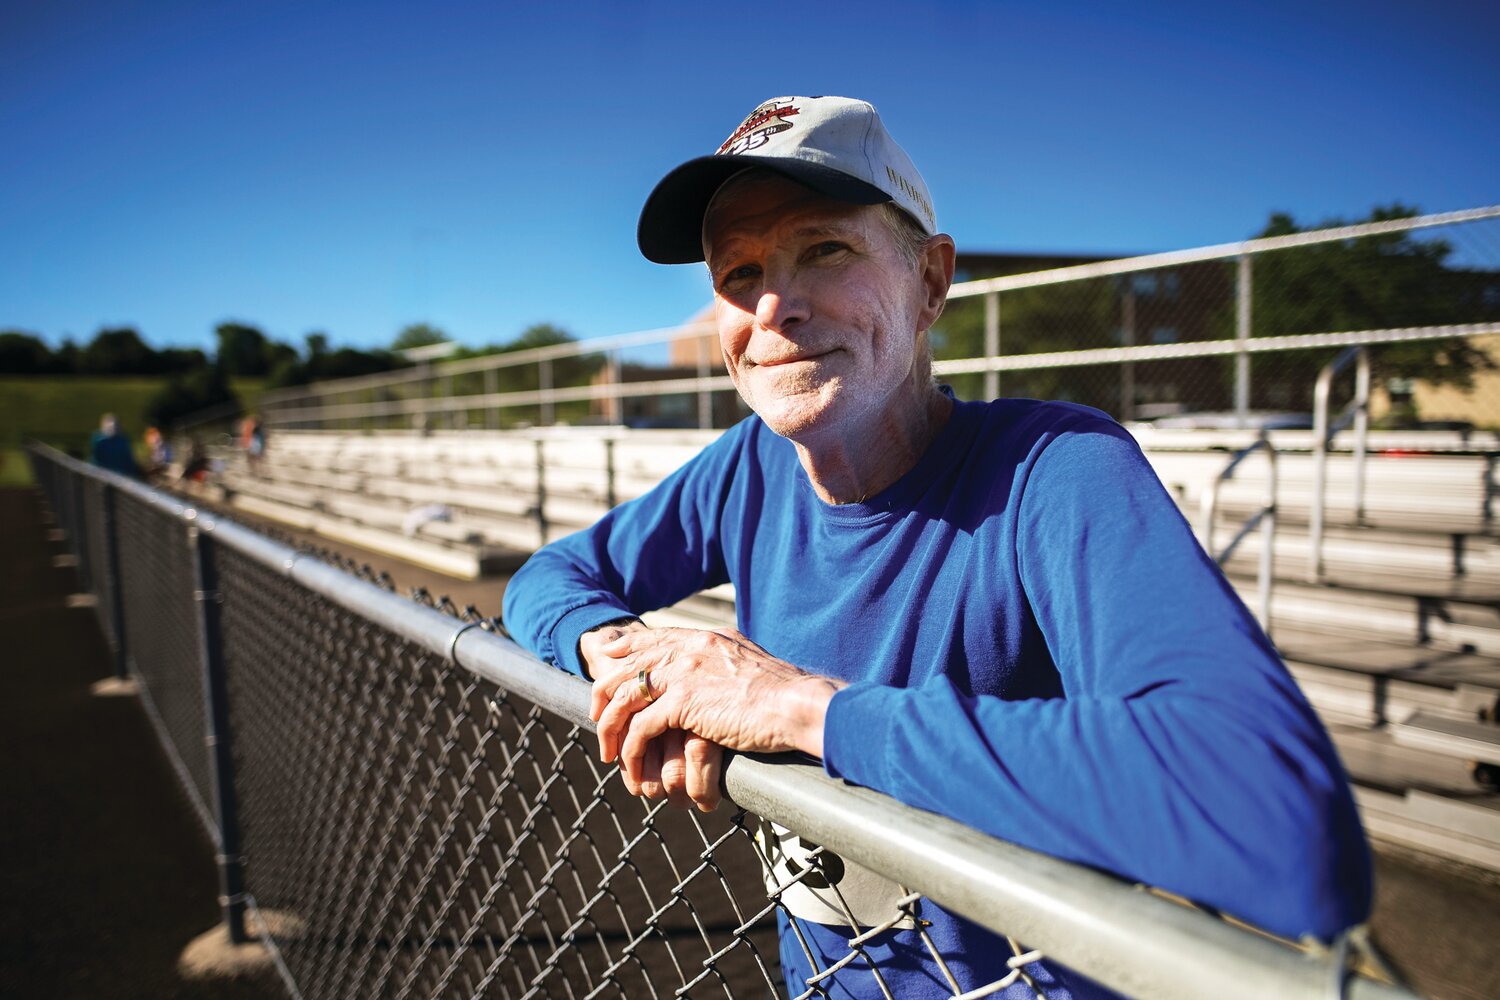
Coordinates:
(643, 681)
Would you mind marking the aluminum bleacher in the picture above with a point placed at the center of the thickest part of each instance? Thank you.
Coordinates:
(1396, 641)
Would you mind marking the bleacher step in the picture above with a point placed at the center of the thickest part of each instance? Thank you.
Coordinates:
(1427, 823)
(1464, 739)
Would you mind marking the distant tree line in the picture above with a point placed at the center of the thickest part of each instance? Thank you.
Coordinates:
(244, 351)
(198, 382)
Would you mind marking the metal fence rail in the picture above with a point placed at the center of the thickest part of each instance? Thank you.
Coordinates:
(420, 814)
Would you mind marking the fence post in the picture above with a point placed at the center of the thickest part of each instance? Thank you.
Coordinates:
(491, 387)
(541, 492)
(544, 383)
(1242, 340)
(116, 609)
(1127, 339)
(79, 532)
(216, 700)
(991, 344)
(609, 473)
(705, 398)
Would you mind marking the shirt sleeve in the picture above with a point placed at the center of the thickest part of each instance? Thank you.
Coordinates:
(1182, 754)
(645, 554)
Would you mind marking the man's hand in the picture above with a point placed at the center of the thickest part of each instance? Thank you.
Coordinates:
(718, 686)
(680, 767)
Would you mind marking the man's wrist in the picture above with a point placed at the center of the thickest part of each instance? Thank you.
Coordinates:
(810, 699)
(623, 621)
(594, 637)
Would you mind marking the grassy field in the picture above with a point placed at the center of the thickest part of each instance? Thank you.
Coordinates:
(64, 410)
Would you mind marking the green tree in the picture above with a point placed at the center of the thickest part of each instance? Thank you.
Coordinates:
(184, 395)
(1377, 282)
(539, 335)
(418, 335)
(119, 351)
(180, 360)
(24, 354)
(243, 350)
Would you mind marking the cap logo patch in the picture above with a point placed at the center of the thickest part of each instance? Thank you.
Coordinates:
(755, 131)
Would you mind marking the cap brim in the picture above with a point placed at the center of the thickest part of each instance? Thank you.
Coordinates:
(671, 226)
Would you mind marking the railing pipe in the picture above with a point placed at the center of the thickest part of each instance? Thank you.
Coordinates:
(1242, 302)
(991, 344)
(1265, 519)
(1324, 430)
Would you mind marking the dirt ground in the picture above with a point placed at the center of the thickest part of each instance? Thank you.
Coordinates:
(106, 875)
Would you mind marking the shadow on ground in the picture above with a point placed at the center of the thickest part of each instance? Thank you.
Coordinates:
(105, 874)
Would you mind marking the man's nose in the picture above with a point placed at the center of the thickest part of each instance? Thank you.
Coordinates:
(782, 305)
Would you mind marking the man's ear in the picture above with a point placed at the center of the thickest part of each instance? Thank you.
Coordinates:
(936, 264)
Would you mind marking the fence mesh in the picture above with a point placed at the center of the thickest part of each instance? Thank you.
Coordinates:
(161, 633)
(424, 834)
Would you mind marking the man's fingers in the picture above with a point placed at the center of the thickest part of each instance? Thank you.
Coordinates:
(626, 700)
(607, 683)
(673, 781)
(657, 753)
(645, 726)
(703, 762)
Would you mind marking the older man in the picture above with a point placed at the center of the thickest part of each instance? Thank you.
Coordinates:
(989, 610)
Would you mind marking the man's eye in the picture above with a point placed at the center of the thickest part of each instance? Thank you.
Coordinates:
(737, 274)
(829, 248)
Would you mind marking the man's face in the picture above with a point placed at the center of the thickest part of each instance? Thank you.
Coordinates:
(817, 310)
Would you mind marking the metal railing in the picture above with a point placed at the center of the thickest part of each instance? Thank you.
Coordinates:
(1324, 431)
(419, 812)
(439, 391)
(1264, 518)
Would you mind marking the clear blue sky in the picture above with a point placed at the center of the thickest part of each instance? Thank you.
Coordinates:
(353, 168)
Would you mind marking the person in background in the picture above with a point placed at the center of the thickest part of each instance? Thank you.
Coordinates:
(252, 441)
(110, 448)
(159, 453)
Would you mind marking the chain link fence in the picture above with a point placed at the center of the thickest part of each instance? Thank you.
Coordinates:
(406, 804)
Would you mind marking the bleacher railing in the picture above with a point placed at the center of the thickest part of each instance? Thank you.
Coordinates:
(405, 803)
(1238, 327)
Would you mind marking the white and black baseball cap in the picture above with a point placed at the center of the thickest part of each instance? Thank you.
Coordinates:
(834, 145)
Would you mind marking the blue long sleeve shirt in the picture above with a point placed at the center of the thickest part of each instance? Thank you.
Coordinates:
(1037, 645)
